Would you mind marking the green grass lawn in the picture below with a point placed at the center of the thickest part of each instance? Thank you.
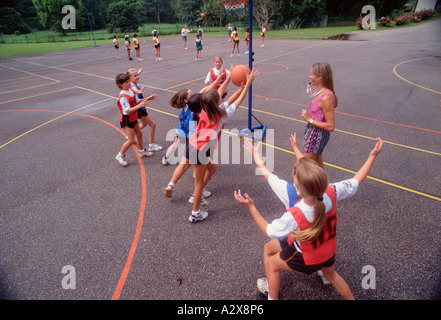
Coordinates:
(165, 30)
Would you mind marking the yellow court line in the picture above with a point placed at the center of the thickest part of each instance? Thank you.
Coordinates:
(402, 78)
(347, 132)
(36, 95)
(47, 122)
(34, 74)
(294, 51)
(352, 171)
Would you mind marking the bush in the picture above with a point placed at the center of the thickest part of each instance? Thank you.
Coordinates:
(385, 22)
(404, 18)
(424, 14)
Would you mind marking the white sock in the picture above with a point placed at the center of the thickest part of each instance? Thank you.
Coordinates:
(171, 184)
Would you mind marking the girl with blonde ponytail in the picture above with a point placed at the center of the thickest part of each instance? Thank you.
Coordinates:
(304, 238)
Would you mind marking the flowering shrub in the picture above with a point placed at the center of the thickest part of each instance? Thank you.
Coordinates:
(404, 18)
(424, 14)
(358, 22)
(385, 22)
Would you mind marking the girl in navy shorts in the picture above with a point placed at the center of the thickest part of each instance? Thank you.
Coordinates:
(304, 238)
(129, 105)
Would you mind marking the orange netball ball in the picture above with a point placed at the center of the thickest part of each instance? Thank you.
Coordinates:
(202, 15)
(238, 74)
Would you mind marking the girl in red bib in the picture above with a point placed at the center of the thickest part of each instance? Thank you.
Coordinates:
(206, 136)
(129, 104)
(304, 238)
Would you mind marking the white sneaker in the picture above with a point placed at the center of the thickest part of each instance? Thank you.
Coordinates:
(164, 161)
(232, 55)
(262, 45)
(322, 276)
(246, 52)
(168, 191)
(145, 153)
(121, 158)
(262, 285)
(205, 193)
(154, 147)
(159, 59)
(198, 216)
(202, 203)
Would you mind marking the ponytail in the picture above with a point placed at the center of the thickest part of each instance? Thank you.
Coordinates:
(313, 182)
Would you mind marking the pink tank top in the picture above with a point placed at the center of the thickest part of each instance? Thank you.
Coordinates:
(315, 112)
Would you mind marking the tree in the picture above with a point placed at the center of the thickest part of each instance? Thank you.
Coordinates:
(186, 11)
(11, 21)
(264, 10)
(124, 15)
(51, 17)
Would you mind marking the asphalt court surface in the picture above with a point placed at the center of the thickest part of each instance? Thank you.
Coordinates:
(67, 202)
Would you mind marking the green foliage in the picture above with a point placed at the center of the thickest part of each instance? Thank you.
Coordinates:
(51, 17)
(11, 21)
(124, 15)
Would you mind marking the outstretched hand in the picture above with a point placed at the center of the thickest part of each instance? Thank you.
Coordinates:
(378, 147)
(245, 200)
(251, 148)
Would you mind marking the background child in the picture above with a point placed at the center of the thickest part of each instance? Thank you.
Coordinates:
(137, 46)
(184, 33)
(217, 71)
(262, 35)
(116, 44)
(229, 31)
(303, 239)
(179, 101)
(235, 37)
(128, 47)
(129, 104)
(247, 39)
(200, 32)
(142, 113)
(199, 44)
(157, 45)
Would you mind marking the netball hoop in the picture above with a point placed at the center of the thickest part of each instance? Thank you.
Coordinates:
(234, 6)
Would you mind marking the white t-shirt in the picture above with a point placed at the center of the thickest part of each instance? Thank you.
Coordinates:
(216, 73)
(282, 227)
(184, 32)
(124, 102)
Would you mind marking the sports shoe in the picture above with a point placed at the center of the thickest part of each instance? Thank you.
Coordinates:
(168, 191)
(154, 147)
(121, 159)
(261, 296)
(198, 216)
(322, 276)
(205, 193)
(202, 203)
(262, 285)
(145, 153)
(164, 161)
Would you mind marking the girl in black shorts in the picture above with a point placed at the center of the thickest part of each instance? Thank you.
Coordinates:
(304, 238)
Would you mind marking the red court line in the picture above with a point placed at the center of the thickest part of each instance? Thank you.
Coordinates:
(128, 264)
(352, 115)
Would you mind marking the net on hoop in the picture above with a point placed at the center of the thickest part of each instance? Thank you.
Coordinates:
(234, 6)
